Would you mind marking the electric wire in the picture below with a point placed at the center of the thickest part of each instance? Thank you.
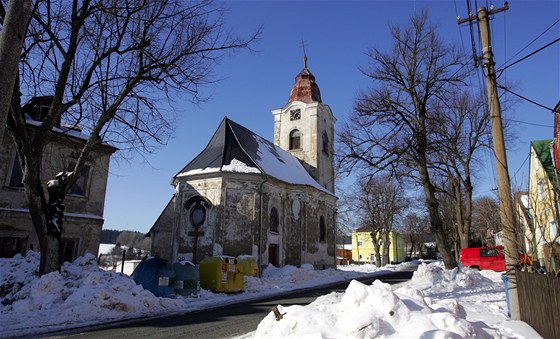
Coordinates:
(520, 167)
(527, 56)
(524, 98)
(527, 123)
(529, 44)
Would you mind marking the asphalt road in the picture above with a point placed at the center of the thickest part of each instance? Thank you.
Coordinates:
(220, 322)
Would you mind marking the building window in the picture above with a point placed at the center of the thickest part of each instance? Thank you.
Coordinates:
(16, 177)
(273, 220)
(553, 231)
(540, 189)
(325, 143)
(322, 229)
(360, 243)
(80, 185)
(295, 139)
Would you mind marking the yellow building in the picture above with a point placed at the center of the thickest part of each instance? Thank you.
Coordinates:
(363, 250)
(542, 201)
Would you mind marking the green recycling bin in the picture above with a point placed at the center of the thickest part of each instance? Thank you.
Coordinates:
(221, 274)
(187, 279)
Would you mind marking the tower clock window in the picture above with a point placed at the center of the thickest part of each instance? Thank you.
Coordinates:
(295, 114)
(295, 139)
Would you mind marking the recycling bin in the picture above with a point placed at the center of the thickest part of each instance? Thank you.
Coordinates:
(249, 266)
(221, 274)
(155, 275)
(187, 279)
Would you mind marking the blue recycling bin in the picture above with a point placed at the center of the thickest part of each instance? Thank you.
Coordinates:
(156, 275)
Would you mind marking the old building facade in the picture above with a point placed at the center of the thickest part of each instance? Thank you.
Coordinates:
(84, 201)
(244, 195)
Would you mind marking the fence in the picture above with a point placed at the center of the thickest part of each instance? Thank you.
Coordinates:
(539, 302)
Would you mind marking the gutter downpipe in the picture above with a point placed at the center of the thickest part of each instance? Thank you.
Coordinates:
(175, 227)
(261, 200)
(554, 190)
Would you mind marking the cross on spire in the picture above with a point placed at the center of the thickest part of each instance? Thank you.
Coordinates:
(302, 44)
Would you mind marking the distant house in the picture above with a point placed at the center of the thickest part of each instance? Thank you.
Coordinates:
(84, 202)
(343, 254)
(363, 250)
(543, 202)
(245, 195)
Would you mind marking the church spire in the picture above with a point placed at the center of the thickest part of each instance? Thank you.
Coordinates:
(305, 89)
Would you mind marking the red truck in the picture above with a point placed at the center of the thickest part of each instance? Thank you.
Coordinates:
(483, 258)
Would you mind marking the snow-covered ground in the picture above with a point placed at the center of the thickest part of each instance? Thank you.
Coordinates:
(436, 303)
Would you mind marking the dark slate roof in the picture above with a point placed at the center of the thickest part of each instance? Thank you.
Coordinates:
(234, 148)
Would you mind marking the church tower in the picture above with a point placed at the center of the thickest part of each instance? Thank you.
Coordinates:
(305, 128)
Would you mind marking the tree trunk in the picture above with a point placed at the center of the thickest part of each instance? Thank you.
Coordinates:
(12, 36)
(436, 225)
(386, 244)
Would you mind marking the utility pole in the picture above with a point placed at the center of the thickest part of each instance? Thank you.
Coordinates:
(504, 187)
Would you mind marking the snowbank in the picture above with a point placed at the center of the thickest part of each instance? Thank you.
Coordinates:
(435, 303)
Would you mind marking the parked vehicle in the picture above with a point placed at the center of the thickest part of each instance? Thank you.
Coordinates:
(483, 258)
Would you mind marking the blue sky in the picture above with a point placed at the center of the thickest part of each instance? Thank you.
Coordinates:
(337, 35)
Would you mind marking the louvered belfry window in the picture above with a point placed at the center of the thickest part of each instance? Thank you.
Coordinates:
(295, 139)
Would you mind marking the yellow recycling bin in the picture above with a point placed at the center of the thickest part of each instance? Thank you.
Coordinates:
(249, 266)
(221, 274)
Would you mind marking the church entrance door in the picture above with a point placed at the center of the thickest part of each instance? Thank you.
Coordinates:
(273, 254)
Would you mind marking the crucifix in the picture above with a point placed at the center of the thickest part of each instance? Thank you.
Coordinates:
(198, 215)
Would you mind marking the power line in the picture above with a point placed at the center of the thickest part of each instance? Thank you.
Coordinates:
(524, 161)
(527, 123)
(527, 56)
(535, 39)
(524, 98)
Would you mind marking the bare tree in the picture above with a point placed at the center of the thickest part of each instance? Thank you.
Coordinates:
(465, 131)
(486, 220)
(415, 229)
(380, 200)
(393, 123)
(14, 25)
(107, 65)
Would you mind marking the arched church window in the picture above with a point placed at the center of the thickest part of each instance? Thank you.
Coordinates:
(273, 220)
(322, 229)
(325, 143)
(295, 139)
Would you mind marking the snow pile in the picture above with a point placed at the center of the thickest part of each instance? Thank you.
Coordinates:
(435, 303)
(436, 275)
(80, 293)
(84, 294)
(287, 278)
(367, 312)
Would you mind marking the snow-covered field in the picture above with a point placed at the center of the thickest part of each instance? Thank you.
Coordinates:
(436, 303)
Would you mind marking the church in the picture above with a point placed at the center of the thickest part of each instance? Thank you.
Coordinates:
(245, 195)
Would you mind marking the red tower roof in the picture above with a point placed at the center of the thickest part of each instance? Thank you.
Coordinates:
(305, 89)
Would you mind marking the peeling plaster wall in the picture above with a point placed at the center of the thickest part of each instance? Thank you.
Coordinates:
(235, 225)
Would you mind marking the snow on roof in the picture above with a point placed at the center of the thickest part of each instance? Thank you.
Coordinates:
(234, 148)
